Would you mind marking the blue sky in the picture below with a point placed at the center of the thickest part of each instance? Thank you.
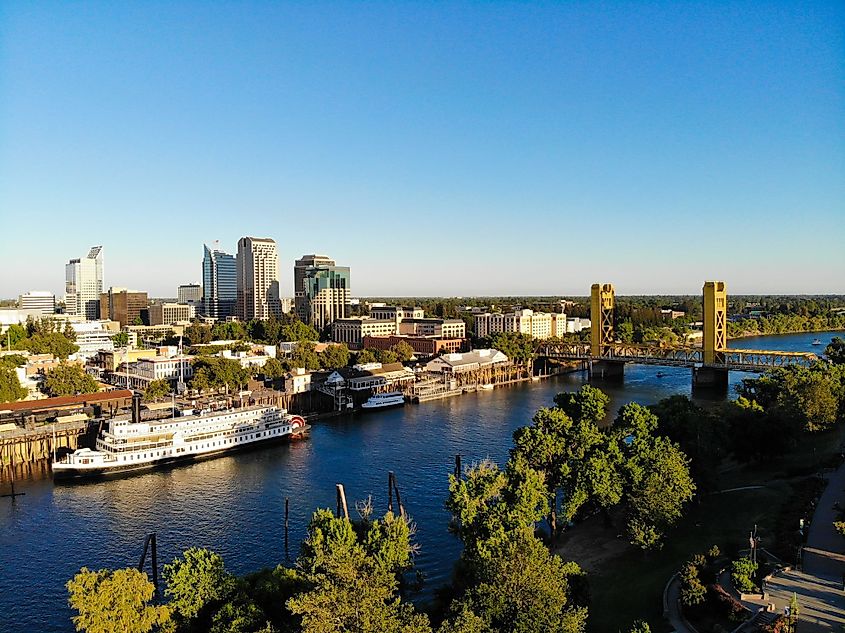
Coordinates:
(435, 148)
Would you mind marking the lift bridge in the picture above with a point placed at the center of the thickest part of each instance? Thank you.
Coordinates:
(606, 357)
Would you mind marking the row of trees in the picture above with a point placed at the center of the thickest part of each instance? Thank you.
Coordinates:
(785, 323)
(271, 331)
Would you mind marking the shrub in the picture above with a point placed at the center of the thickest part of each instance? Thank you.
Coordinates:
(742, 575)
(721, 602)
(693, 591)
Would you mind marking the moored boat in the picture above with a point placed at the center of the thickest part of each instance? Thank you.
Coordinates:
(128, 445)
(384, 400)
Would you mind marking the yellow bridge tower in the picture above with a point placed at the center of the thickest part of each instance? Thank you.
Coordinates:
(602, 317)
(715, 330)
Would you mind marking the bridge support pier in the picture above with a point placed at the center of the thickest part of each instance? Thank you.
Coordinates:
(607, 370)
(714, 378)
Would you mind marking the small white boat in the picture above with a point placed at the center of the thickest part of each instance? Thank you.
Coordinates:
(817, 342)
(487, 387)
(384, 400)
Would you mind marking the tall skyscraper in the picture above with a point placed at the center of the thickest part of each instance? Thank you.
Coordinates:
(84, 283)
(327, 295)
(258, 278)
(219, 283)
(299, 268)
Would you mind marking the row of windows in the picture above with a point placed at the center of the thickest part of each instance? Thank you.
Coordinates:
(196, 447)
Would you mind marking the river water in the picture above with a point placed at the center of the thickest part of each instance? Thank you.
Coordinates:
(235, 505)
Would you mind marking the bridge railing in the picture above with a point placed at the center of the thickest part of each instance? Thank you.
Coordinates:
(738, 359)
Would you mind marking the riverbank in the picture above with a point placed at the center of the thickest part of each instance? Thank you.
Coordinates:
(759, 334)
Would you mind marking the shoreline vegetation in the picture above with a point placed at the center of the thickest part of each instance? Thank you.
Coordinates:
(669, 481)
(759, 334)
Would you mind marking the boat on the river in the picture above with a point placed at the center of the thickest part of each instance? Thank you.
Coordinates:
(127, 445)
(817, 341)
(384, 400)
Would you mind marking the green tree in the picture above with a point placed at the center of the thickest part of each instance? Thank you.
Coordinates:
(742, 575)
(296, 330)
(229, 331)
(114, 601)
(335, 357)
(197, 334)
(365, 356)
(156, 390)
(54, 343)
(304, 356)
(693, 591)
(521, 587)
(640, 626)
(14, 334)
(68, 379)
(273, 368)
(516, 346)
(660, 485)
(351, 589)
(214, 372)
(404, 352)
(138, 321)
(121, 339)
(588, 403)
(196, 580)
(10, 386)
(835, 351)
(386, 356)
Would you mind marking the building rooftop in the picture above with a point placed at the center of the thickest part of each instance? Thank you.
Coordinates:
(65, 401)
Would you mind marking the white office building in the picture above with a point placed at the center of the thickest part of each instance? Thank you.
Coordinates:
(41, 300)
(84, 284)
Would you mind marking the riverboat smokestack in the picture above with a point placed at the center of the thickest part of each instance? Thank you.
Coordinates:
(136, 408)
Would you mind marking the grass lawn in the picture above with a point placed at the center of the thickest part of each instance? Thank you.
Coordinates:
(629, 584)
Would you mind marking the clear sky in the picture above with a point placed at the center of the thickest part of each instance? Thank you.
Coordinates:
(436, 148)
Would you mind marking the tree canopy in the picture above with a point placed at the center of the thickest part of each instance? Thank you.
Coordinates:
(68, 379)
(110, 601)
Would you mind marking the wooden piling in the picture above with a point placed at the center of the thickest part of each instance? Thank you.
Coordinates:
(341, 502)
(390, 491)
(398, 498)
(287, 514)
(458, 466)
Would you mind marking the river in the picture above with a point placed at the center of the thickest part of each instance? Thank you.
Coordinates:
(235, 505)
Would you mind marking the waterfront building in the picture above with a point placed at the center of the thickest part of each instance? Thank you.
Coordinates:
(122, 305)
(257, 278)
(467, 361)
(41, 300)
(166, 313)
(352, 330)
(299, 267)
(189, 293)
(220, 284)
(539, 325)
(84, 284)
(422, 345)
(326, 295)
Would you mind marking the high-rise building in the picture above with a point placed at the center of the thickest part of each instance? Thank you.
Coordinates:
(122, 305)
(258, 278)
(299, 268)
(84, 284)
(327, 295)
(189, 293)
(38, 300)
(219, 284)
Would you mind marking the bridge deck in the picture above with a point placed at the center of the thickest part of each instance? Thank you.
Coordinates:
(732, 359)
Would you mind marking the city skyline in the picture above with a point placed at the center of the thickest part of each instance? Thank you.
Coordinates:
(465, 150)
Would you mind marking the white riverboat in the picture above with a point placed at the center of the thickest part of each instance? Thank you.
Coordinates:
(384, 400)
(127, 445)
